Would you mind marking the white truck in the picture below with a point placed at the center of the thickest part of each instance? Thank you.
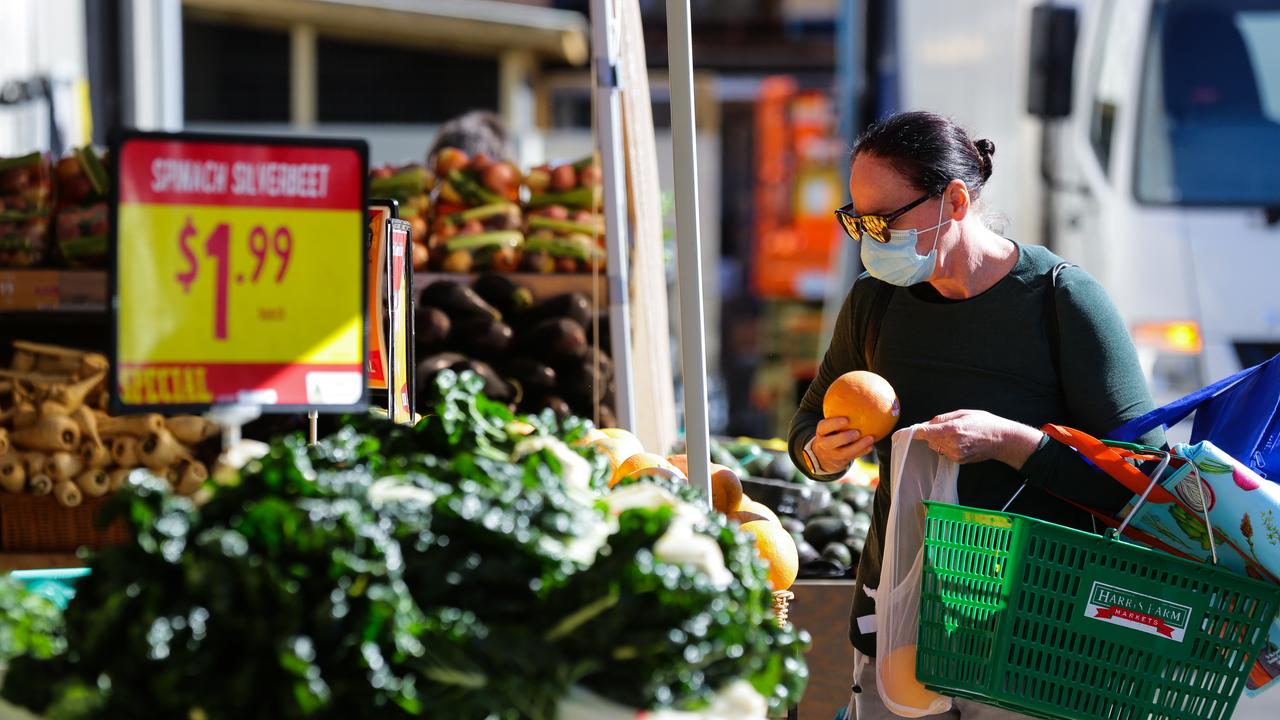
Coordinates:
(1137, 138)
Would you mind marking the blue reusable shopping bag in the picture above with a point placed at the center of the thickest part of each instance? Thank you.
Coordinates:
(1239, 414)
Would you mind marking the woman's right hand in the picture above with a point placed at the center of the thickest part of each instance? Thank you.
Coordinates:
(837, 444)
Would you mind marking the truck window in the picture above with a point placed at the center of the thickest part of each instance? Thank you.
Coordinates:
(1123, 21)
(1209, 124)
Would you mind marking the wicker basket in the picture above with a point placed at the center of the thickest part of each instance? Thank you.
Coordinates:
(39, 523)
(782, 605)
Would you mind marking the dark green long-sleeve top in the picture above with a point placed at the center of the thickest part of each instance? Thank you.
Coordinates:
(992, 352)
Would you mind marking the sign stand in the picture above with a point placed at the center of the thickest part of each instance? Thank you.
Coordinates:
(232, 418)
(313, 430)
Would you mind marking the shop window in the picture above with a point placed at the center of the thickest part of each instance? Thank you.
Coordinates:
(233, 73)
(363, 82)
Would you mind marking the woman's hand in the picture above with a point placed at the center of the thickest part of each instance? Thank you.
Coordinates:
(970, 436)
(837, 445)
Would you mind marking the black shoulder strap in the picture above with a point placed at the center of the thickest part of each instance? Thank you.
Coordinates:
(1051, 319)
(871, 334)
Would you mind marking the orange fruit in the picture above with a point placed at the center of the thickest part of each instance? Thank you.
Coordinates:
(645, 464)
(623, 435)
(866, 399)
(617, 451)
(774, 544)
(898, 674)
(590, 436)
(624, 443)
(726, 488)
(751, 506)
(681, 462)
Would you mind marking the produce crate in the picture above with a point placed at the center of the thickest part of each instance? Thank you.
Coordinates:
(1058, 623)
(784, 498)
(39, 523)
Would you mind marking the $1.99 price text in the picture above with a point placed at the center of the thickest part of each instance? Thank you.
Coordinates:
(265, 246)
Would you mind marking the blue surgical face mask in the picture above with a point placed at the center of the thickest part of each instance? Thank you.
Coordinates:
(896, 261)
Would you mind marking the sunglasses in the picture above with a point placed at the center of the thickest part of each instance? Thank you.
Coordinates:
(875, 227)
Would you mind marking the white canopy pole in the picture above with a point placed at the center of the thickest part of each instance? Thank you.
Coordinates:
(608, 111)
(693, 359)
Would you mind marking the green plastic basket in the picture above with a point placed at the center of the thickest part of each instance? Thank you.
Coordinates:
(1058, 623)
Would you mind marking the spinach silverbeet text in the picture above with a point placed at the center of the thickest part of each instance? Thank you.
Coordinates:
(464, 568)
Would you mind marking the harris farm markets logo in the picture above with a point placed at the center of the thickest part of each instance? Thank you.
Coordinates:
(1144, 613)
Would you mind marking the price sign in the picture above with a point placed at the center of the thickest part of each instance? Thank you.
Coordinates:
(380, 214)
(399, 403)
(239, 272)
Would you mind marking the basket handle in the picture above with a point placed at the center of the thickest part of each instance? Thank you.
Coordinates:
(1113, 461)
(1111, 457)
(1142, 499)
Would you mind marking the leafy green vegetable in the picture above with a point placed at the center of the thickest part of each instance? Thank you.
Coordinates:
(466, 563)
(276, 599)
(30, 624)
(673, 636)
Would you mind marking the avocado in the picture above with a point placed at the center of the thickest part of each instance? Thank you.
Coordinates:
(759, 465)
(859, 498)
(838, 510)
(482, 337)
(783, 468)
(532, 375)
(575, 306)
(433, 364)
(598, 358)
(494, 386)
(457, 301)
(432, 329)
(838, 553)
(792, 525)
(582, 375)
(806, 552)
(503, 294)
(822, 531)
(860, 526)
(535, 403)
(557, 339)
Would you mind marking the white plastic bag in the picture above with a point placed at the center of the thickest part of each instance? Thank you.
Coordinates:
(916, 473)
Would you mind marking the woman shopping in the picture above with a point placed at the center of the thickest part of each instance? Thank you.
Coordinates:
(984, 339)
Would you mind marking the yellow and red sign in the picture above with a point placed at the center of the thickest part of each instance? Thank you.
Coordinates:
(398, 404)
(239, 272)
(379, 216)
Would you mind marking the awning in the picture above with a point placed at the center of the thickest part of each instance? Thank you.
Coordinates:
(465, 26)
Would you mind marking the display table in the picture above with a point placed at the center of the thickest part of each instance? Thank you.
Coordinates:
(822, 608)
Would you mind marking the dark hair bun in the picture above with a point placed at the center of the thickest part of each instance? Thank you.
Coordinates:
(929, 151)
(985, 149)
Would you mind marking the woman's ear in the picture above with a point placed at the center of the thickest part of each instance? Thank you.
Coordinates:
(958, 202)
